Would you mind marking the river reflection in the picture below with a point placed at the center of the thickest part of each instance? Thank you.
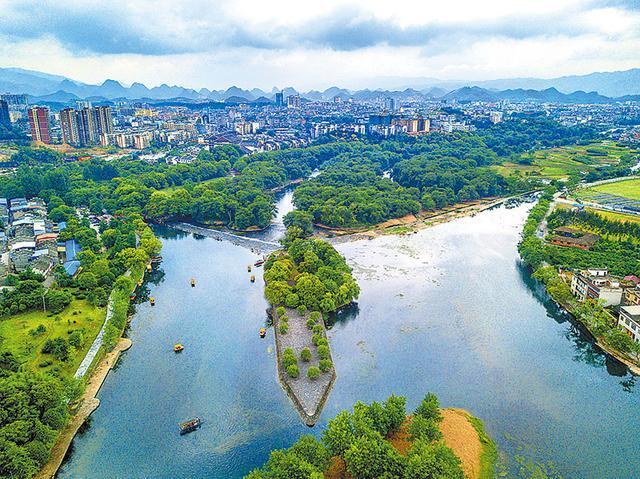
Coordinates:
(449, 310)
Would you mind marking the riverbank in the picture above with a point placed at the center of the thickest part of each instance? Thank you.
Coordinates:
(533, 253)
(633, 367)
(412, 223)
(88, 403)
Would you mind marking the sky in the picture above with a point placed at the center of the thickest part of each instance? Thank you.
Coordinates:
(315, 45)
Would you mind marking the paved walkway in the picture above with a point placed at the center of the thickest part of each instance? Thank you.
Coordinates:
(88, 403)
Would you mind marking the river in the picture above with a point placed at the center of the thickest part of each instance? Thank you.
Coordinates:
(449, 310)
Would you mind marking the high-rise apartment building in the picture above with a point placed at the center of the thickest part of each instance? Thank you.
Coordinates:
(103, 121)
(86, 126)
(293, 101)
(69, 126)
(5, 119)
(39, 123)
(279, 99)
(390, 104)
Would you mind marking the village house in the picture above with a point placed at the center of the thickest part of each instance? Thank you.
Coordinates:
(629, 319)
(598, 285)
(574, 238)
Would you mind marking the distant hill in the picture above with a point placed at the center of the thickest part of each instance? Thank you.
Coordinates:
(475, 93)
(592, 88)
(611, 84)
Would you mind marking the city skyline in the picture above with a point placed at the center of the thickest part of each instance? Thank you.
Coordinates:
(352, 45)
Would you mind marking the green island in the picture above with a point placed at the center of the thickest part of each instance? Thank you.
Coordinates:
(304, 283)
(379, 440)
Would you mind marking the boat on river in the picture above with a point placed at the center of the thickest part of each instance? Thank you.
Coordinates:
(193, 282)
(152, 300)
(156, 259)
(190, 426)
(263, 332)
(177, 348)
(253, 279)
(258, 263)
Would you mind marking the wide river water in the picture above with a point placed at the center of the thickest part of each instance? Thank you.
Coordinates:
(449, 310)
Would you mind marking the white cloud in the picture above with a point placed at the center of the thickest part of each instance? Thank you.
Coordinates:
(315, 45)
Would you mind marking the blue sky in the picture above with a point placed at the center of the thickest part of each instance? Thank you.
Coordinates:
(355, 44)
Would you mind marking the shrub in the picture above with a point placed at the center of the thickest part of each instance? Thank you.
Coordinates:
(425, 429)
(280, 310)
(58, 347)
(76, 338)
(325, 365)
(310, 323)
(293, 371)
(284, 319)
(313, 372)
(316, 315)
(292, 300)
(323, 352)
(305, 355)
(284, 328)
(38, 331)
(318, 329)
(302, 309)
(322, 342)
(429, 408)
(315, 338)
(289, 358)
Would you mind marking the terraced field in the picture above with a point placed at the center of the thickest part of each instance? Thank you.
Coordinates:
(559, 163)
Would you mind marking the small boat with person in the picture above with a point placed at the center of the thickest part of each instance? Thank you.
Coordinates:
(263, 332)
(253, 279)
(190, 426)
(178, 348)
(258, 263)
(152, 301)
(193, 282)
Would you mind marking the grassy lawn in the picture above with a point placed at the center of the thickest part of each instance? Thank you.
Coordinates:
(16, 336)
(559, 163)
(627, 189)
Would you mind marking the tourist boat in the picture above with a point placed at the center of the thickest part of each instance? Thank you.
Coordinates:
(263, 332)
(193, 282)
(258, 263)
(156, 259)
(190, 426)
(152, 300)
(177, 348)
(249, 269)
(132, 296)
(253, 279)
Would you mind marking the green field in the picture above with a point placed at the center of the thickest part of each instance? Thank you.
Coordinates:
(17, 334)
(610, 215)
(559, 163)
(626, 188)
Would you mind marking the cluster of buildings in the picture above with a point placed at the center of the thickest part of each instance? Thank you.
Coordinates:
(86, 126)
(287, 119)
(29, 239)
(623, 294)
